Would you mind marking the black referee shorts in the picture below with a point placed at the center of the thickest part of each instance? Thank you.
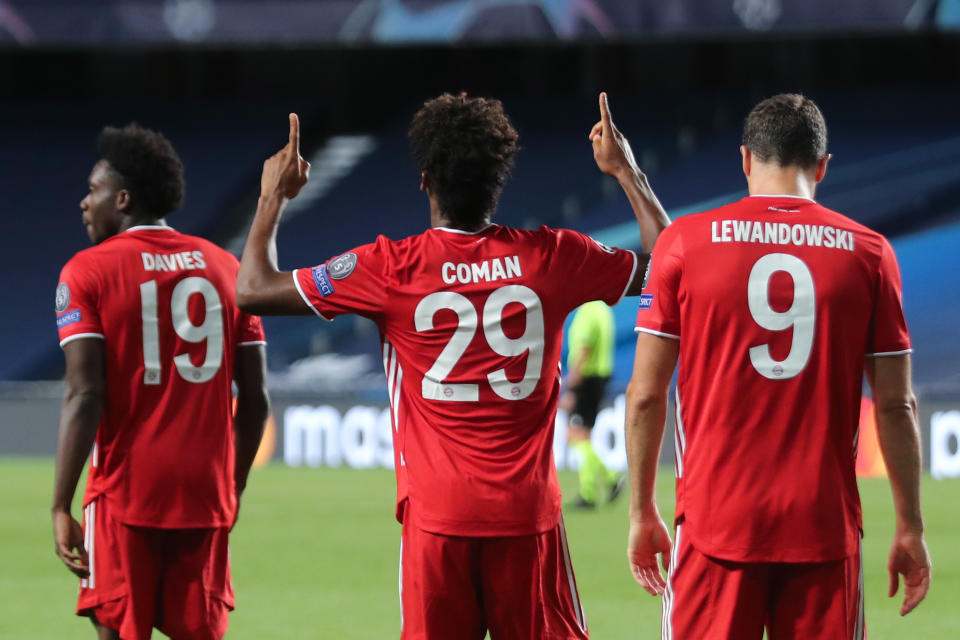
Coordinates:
(589, 395)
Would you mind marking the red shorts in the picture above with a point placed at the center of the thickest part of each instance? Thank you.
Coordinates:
(718, 599)
(518, 587)
(177, 580)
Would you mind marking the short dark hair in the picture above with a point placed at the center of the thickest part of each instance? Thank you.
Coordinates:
(466, 146)
(788, 129)
(146, 165)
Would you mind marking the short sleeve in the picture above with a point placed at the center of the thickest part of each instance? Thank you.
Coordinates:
(888, 327)
(352, 282)
(659, 309)
(251, 331)
(590, 270)
(77, 302)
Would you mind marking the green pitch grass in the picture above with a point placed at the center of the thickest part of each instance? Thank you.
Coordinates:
(315, 556)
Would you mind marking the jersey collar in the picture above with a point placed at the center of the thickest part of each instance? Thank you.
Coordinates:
(151, 227)
(767, 195)
(466, 233)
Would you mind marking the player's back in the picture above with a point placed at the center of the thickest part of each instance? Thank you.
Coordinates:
(164, 303)
(779, 300)
(472, 326)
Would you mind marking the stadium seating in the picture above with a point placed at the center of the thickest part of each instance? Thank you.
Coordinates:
(899, 175)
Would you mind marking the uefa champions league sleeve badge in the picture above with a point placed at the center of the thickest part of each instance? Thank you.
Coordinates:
(62, 297)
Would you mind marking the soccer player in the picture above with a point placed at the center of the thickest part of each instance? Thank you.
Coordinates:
(153, 341)
(776, 307)
(591, 341)
(470, 315)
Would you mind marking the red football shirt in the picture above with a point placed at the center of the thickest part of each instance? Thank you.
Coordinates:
(471, 327)
(776, 301)
(163, 303)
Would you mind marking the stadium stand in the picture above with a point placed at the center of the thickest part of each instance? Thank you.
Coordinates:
(898, 174)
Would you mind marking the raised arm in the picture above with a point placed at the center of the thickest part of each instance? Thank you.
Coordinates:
(79, 418)
(653, 367)
(263, 289)
(614, 157)
(899, 436)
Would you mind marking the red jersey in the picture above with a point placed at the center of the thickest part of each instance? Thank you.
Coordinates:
(471, 327)
(776, 301)
(163, 303)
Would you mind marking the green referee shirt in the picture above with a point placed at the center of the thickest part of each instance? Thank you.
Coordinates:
(592, 328)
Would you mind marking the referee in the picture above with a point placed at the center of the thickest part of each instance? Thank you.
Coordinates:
(589, 366)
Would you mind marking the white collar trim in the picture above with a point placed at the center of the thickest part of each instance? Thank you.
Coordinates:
(462, 232)
(767, 195)
(152, 227)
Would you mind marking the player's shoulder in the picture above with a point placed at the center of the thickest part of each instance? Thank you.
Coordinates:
(90, 260)
(866, 238)
(210, 249)
(557, 237)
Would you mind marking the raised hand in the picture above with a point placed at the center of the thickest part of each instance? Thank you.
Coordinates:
(285, 172)
(68, 543)
(610, 149)
(910, 558)
(648, 538)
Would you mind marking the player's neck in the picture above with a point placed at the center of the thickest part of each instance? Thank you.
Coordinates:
(131, 221)
(438, 219)
(787, 181)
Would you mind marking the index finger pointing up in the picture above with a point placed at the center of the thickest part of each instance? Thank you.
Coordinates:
(295, 132)
(605, 117)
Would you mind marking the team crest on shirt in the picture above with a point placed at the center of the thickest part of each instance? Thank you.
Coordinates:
(62, 297)
(646, 301)
(342, 266)
(603, 246)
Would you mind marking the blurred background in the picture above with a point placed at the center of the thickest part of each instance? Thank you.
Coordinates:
(218, 77)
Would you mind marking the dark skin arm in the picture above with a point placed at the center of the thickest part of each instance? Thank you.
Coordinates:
(899, 436)
(253, 406)
(80, 410)
(263, 289)
(613, 155)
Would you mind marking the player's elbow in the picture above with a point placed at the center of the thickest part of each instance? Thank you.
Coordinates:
(250, 293)
(642, 396)
(901, 403)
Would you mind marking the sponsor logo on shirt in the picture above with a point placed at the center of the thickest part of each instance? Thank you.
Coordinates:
(342, 266)
(646, 300)
(63, 297)
(68, 318)
(324, 286)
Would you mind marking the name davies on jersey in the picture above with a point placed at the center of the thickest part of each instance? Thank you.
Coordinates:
(184, 260)
(486, 271)
(812, 235)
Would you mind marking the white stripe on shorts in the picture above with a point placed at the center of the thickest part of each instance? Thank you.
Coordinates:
(568, 565)
(666, 632)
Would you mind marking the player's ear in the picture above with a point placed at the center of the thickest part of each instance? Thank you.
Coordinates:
(747, 158)
(425, 182)
(822, 166)
(122, 200)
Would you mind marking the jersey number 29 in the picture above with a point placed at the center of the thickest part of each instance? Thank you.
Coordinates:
(531, 342)
(210, 330)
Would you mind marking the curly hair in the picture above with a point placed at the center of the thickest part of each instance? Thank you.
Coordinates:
(147, 166)
(466, 146)
(787, 128)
